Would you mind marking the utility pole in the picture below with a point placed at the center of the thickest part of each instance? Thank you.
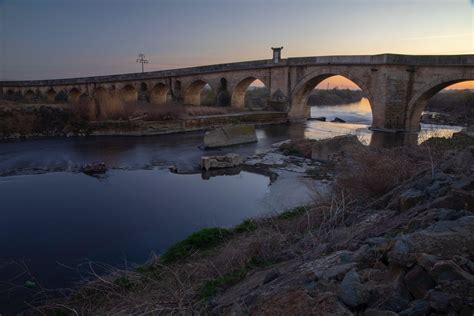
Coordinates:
(141, 59)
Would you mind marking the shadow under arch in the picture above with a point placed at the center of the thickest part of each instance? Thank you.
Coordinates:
(29, 95)
(419, 101)
(128, 93)
(74, 95)
(160, 94)
(240, 91)
(299, 101)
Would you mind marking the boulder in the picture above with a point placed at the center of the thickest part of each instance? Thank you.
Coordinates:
(217, 162)
(352, 292)
(376, 312)
(230, 135)
(319, 118)
(416, 308)
(410, 198)
(419, 282)
(338, 120)
(328, 149)
(94, 169)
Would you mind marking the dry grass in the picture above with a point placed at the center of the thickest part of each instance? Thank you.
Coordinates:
(210, 110)
(370, 173)
(185, 286)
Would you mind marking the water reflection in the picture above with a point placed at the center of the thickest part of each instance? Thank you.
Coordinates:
(358, 117)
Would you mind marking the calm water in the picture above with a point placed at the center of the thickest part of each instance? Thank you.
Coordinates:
(358, 117)
(54, 222)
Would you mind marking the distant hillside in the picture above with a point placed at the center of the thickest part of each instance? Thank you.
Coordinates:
(334, 97)
(455, 101)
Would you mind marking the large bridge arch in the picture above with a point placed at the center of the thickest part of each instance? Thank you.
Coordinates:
(240, 89)
(192, 93)
(419, 101)
(300, 93)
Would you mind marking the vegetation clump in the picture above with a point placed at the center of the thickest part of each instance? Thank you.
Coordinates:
(299, 148)
(201, 240)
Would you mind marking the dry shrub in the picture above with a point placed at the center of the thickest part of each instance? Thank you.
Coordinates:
(162, 112)
(370, 173)
(84, 110)
(210, 110)
(111, 107)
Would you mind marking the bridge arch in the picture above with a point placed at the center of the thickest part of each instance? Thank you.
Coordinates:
(192, 94)
(29, 95)
(10, 95)
(50, 95)
(240, 90)
(129, 93)
(73, 95)
(419, 101)
(160, 94)
(299, 102)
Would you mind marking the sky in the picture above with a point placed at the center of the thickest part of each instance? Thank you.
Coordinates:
(45, 39)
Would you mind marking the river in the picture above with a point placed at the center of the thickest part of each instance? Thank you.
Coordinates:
(56, 220)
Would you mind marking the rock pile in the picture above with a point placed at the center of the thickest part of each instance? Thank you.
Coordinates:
(411, 253)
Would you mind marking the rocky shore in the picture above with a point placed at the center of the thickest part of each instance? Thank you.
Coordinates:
(394, 235)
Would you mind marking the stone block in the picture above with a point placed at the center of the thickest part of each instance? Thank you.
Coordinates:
(230, 135)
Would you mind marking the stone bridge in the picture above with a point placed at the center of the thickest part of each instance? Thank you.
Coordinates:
(397, 86)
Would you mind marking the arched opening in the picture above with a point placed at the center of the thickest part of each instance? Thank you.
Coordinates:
(199, 93)
(143, 87)
(443, 103)
(129, 94)
(335, 105)
(50, 95)
(339, 100)
(29, 95)
(61, 96)
(10, 95)
(74, 95)
(251, 93)
(160, 94)
(331, 90)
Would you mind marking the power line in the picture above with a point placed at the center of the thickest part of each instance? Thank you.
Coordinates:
(141, 59)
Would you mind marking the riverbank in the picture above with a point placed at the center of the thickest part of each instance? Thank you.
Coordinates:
(36, 121)
(393, 235)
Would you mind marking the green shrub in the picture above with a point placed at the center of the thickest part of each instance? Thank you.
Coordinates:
(203, 239)
(248, 225)
(211, 287)
(292, 212)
